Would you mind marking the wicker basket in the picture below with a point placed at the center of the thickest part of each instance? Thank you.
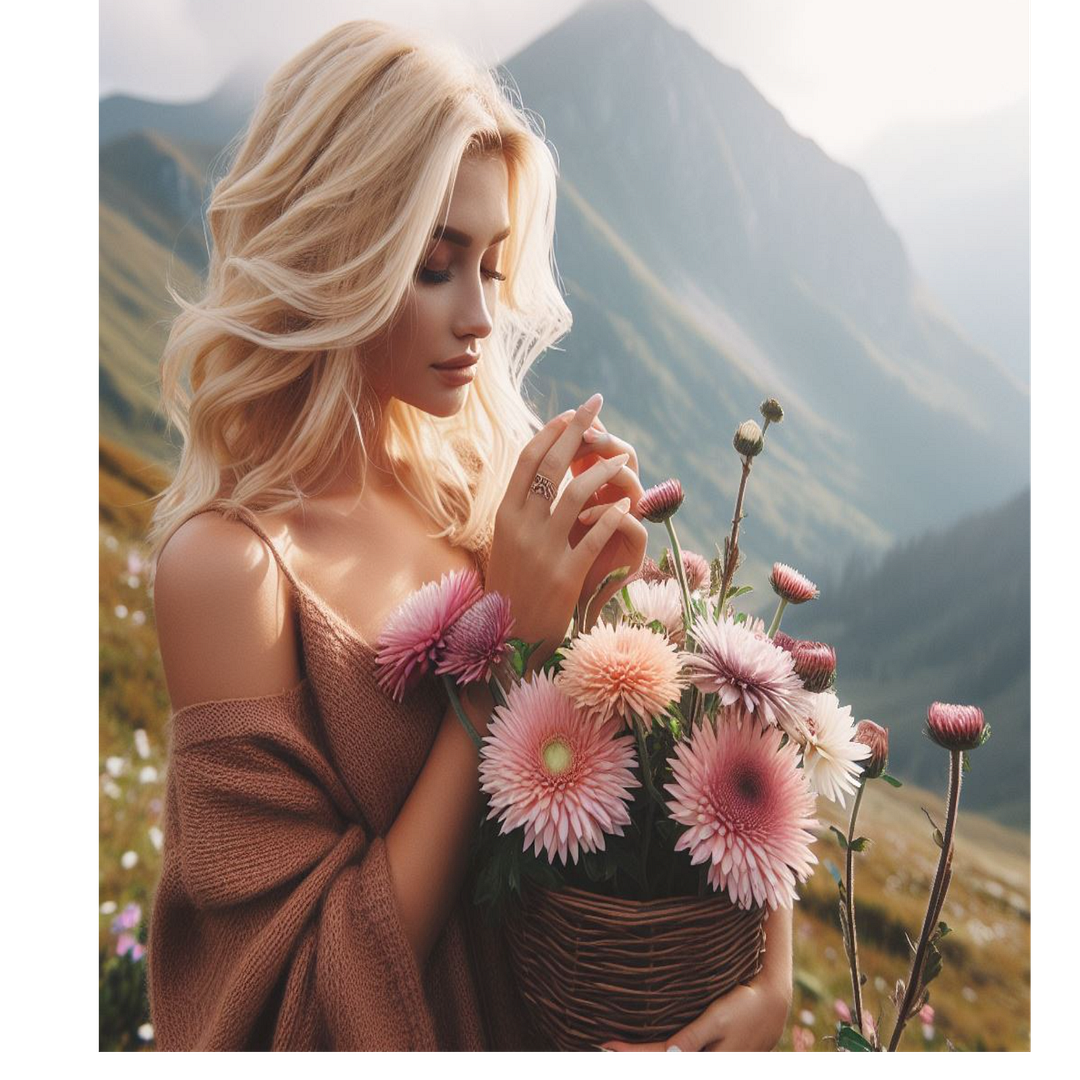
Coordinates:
(593, 968)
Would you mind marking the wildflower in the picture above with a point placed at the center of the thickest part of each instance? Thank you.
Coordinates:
(783, 641)
(749, 812)
(831, 755)
(129, 860)
(749, 441)
(842, 1010)
(479, 641)
(790, 585)
(127, 945)
(148, 774)
(956, 727)
(877, 738)
(138, 618)
(660, 602)
(111, 788)
(696, 567)
(108, 907)
(135, 563)
(414, 637)
(142, 743)
(650, 571)
(133, 581)
(771, 410)
(114, 766)
(128, 919)
(815, 664)
(157, 837)
(546, 766)
(621, 671)
(146, 1032)
(801, 1038)
(120, 611)
(806, 1017)
(660, 501)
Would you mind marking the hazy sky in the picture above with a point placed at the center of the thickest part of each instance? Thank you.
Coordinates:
(840, 70)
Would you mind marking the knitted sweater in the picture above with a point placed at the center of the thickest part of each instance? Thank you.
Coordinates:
(274, 924)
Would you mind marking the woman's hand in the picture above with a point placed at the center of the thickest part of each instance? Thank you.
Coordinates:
(750, 1017)
(628, 544)
(532, 562)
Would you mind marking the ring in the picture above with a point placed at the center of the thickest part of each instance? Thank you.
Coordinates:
(541, 485)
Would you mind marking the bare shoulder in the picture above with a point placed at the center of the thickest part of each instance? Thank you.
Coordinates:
(224, 614)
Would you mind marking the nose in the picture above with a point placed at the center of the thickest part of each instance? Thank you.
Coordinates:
(473, 317)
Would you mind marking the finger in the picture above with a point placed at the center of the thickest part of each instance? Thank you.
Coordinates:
(697, 1034)
(606, 445)
(614, 1044)
(529, 459)
(556, 460)
(592, 543)
(572, 500)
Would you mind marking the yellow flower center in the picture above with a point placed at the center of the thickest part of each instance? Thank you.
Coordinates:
(557, 755)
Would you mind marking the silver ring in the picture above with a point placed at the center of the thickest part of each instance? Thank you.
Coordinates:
(542, 486)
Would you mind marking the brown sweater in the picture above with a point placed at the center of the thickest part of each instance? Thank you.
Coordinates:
(274, 924)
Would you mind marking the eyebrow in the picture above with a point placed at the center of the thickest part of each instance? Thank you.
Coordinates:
(455, 236)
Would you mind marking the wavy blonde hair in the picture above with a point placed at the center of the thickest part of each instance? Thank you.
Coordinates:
(317, 229)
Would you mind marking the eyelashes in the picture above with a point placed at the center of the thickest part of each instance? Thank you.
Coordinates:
(437, 277)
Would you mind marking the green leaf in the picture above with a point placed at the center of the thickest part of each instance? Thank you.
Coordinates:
(624, 592)
(848, 1038)
(841, 839)
(657, 627)
(938, 838)
(620, 573)
(735, 592)
(890, 780)
(965, 761)
(860, 843)
(741, 617)
(942, 930)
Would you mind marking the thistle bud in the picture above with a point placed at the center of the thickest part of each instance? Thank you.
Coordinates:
(877, 738)
(749, 441)
(784, 641)
(790, 585)
(661, 501)
(956, 727)
(650, 570)
(770, 409)
(695, 566)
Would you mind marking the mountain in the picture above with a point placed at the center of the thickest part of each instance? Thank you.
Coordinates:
(944, 617)
(960, 196)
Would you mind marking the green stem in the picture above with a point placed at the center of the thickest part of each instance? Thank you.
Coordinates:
(776, 618)
(466, 723)
(680, 574)
(935, 903)
(646, 764)
(497, 692)
(853, 955)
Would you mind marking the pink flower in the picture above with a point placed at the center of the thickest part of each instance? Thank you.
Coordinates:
(742, 665)
(957, 727)
(877, 738)
(926, 1013)
(660, 501)
(815, 664)
(414, 636)
(783, 641)
(801, 1038)
(621, 672)
(791, 585)
(478, 642)
(749, 811)
(545, 766)
(650, 572)
(842, 1010)
(696, 567)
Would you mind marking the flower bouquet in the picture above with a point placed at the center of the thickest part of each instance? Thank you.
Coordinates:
(651, 790)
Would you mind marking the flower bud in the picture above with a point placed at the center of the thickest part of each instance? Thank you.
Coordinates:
(790, 585)
(695, 566)
(651, 572)
(770, 409)
(784, 641)
(815, 664)
(661, 501)
(956, 727)
(877, 738)
(749, 441)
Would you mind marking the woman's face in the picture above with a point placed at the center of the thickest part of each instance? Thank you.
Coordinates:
(430, 354)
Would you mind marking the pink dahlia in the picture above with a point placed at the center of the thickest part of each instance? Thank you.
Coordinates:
(660, 601)
(957, 727)
(479, 641)
(621, 672)
(661, 501)
(831, 753)
(413, 639)
(815, 664)
(791, 585)
(741, 664)
(546, 767)
(748, 809)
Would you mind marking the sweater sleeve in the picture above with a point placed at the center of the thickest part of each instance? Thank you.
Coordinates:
(274, 923)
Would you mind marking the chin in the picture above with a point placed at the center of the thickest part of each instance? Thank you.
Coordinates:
(448, 402)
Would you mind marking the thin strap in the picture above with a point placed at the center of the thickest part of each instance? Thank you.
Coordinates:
(245, 516)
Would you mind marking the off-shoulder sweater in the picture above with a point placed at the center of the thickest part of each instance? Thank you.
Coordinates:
(274, 923)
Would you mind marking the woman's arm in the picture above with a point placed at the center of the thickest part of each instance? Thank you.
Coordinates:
(428, 844)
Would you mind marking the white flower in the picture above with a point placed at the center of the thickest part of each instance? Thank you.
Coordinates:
(147, 774)
(111, 543)
(112, 789)
(120, 611)
(146, 1032)
(831, 756)
(138, 617)
(135, 562)
(142, 743)
(114, 766)
(108, 908)
(157, 837)
(129, 860)
(133, 581)
(660, 600)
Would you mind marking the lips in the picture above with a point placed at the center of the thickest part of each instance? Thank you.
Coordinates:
(467, 360)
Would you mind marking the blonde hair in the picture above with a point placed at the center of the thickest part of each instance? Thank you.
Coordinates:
(317, 230)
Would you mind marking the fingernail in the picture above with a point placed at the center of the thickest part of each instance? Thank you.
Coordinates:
(619, 460)
(585, 515)
(674, 1049)
(566, 414)
(591, 435)
(594, 402)
(623, 504)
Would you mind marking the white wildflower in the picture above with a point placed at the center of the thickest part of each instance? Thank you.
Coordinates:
(129, 860)
(114, 766)
(147, 774)
(157, 837)
(120, 611)
(142, 743)
(108, 908)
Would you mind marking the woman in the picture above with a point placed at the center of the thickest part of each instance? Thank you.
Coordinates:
(380, 282)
